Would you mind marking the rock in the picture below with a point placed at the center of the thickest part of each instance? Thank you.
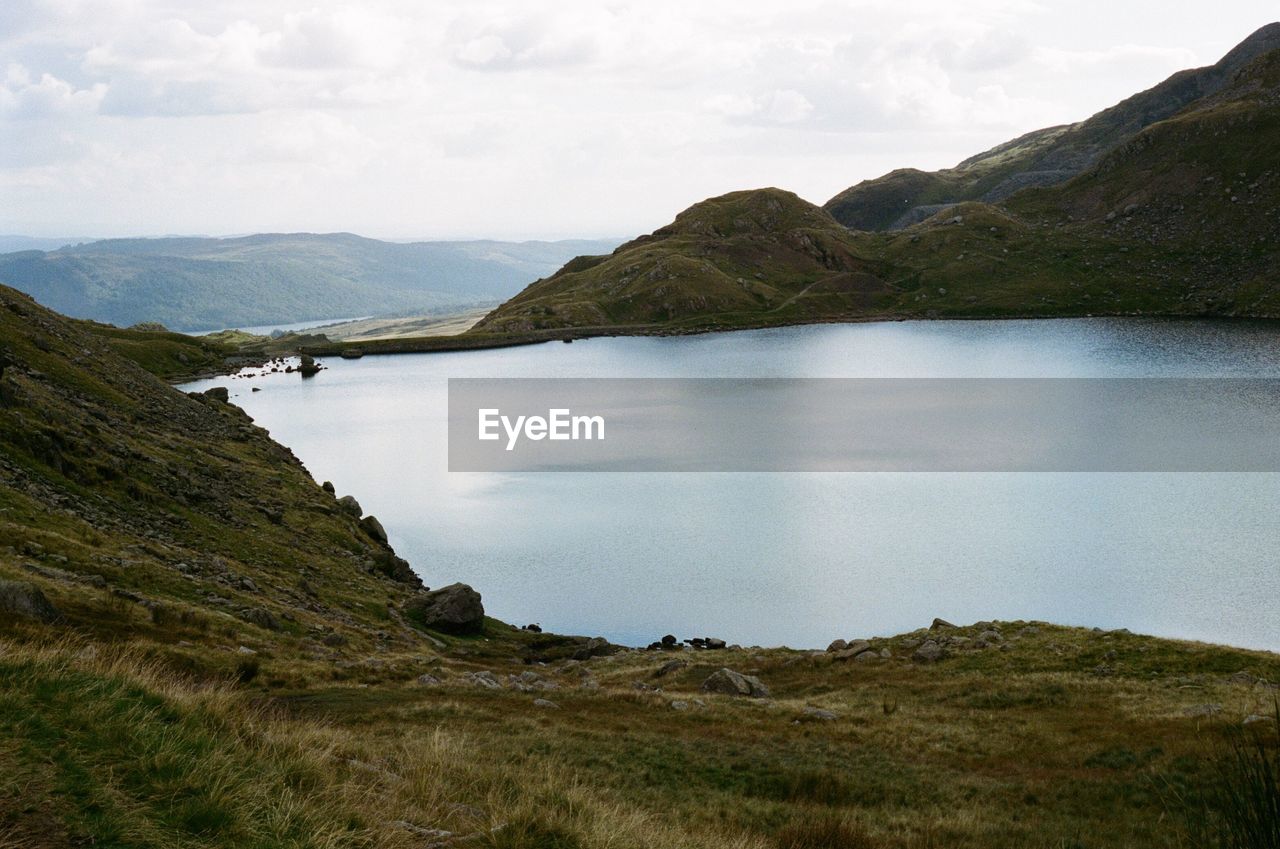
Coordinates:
(327, 486)
(483, 678)
(862, 657)
(715, 643)
(218, 393)
(1254, 718)
(308, 366)
(533, 628)
(334, 640)
(455, 609)
(730, 683)
(669, 641)
(940, 623)
(546, 703)
(374, 528)
(1243, 677)
(28, 601)
(427, 680)
(814, 714)
(679, 705)
(837, 645)
(349, 504)
(669, 667)
(929, 652)
(245, 650)
(260, 617)
(1196, 711)
(852, 650)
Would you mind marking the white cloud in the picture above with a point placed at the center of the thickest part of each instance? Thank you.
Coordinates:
(22, 97)
(532, 117)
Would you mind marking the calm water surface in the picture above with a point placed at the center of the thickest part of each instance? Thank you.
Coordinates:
(801, 559)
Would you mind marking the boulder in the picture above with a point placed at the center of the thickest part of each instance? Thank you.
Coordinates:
(837, 645)
(929, 652)
(715, 643)
(218, 393)
(349, 504)
(669, 667)
(730, 683)
(940, 623)
(260, 617)
(546, 704)
(852, 650)
(813, 714)
(327, 486)
(23, 599)
(455, 609)
(374, 528)
(308, 366)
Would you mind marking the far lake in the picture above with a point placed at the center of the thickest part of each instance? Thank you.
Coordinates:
(802, 558)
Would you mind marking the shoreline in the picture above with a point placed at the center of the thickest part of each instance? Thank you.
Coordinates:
(481, 342)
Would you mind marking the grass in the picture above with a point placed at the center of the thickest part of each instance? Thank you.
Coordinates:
(117, 744)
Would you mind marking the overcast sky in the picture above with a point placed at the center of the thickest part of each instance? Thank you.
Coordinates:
(435, 118)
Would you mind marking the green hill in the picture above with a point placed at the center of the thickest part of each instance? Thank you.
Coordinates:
(198, 284)
(1178, 219)
(1040, 158)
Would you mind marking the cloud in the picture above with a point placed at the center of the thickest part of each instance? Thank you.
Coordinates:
(523, 43)
(22, 97)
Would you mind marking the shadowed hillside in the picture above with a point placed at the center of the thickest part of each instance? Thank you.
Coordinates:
(1040, 158)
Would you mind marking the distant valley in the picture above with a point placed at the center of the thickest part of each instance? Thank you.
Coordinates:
(199, 283)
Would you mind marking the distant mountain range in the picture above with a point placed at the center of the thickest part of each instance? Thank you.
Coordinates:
(201, 283)
(1166, 204)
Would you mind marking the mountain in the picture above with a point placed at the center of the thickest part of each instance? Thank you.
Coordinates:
(1040, 158)
(199, 283)
(12, 243)
(201, 646)
(1179, 218)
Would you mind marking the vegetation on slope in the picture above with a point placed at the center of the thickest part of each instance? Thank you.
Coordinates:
(1041, 158)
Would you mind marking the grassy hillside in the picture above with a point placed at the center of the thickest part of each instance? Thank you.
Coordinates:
(1041, 158)
(193, 283)
(1181, 219)
(199, 647)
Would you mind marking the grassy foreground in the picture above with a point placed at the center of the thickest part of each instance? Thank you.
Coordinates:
(1053, 737)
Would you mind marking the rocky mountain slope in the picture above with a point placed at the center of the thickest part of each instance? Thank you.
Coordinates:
(198, 284)
(1040, 158)
(1179, 219)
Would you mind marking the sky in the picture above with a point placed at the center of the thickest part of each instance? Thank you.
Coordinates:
(534, 119)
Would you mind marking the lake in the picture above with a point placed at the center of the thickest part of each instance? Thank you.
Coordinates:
(800, 559)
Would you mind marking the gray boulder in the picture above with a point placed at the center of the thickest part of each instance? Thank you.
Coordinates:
(929, 652)
(349, 504)
(455, 609)
(852, 650)
(837, 645)
(218, 393)
(374, 528)
(730, 683)
(260, 617)
(20, 598)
